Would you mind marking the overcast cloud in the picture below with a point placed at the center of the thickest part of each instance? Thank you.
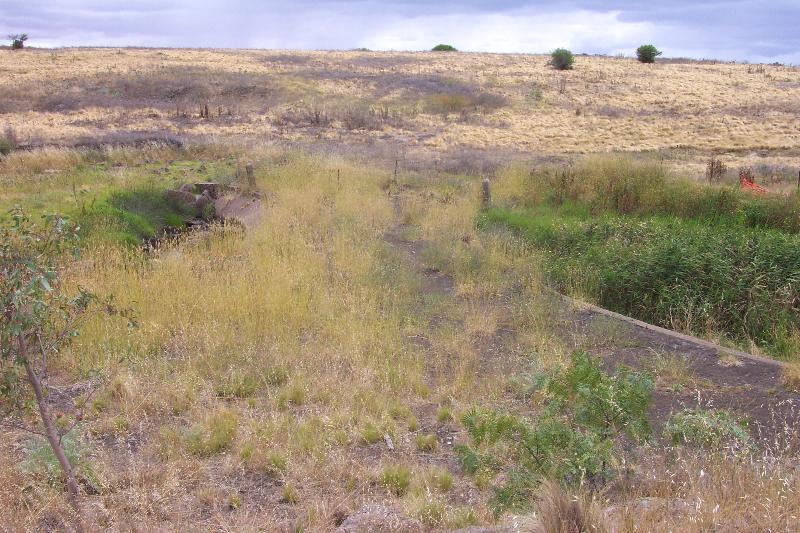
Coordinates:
(763, 31)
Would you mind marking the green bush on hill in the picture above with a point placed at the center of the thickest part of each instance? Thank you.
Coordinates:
(562, 59)
(647, 53)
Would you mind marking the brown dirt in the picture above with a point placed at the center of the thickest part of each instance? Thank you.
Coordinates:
(750, 387)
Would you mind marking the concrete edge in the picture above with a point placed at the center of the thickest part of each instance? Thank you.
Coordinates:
(674, 334)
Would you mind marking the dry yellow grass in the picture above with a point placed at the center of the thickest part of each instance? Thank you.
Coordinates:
(269, 367)
(604, 104)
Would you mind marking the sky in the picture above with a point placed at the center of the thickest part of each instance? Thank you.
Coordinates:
(742, 30)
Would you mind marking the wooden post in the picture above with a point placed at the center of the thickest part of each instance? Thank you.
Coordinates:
(251, 178)
(486, 193)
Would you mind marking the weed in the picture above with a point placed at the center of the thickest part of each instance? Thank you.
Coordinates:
(40, 460)
(562, 513)
(396, 479)
(237, 384)
(440, 479)
(432, 514)
(572, 440)
(680, 274)
(706, 428)
(234, 501)
(461, 518)
(292, 394)
(259, 458)
(790, 375)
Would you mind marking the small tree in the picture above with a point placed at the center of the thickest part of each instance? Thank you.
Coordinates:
(444, 48)
(37, 318)
(562, 59)
(647, 53)
(18, 41)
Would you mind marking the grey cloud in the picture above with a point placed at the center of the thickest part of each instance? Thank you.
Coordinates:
(739, 29)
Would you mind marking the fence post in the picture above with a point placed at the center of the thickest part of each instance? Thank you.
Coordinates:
(486, 193)
(251, 178)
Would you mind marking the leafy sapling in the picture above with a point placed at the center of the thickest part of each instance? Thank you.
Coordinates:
(38, 317)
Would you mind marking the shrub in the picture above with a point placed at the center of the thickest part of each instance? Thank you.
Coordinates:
(706, 428)
(18, 41)
(562, 59)
(647, 53)
(5, 146)
(572, 440)
(396, 479)
(444, 48)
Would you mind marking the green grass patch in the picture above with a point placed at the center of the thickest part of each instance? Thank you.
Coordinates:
(708, 279)
(112, 204)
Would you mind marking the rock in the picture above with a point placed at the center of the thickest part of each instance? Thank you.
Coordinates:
(378, 519)
(211, 187)
(181, 199)
(202, 201)
(187, 187)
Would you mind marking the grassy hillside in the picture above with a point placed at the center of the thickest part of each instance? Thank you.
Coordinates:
(428, 101)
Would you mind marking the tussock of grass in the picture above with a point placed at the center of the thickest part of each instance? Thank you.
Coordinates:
(426, 443)
(215, 435)
(396, 479)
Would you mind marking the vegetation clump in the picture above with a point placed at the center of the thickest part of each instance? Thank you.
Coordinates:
(703, 259)
(18, 41)
(396, 479)
(647, 53)
(562, 59)
(572, 440)
(706, 428)
(444, 48)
